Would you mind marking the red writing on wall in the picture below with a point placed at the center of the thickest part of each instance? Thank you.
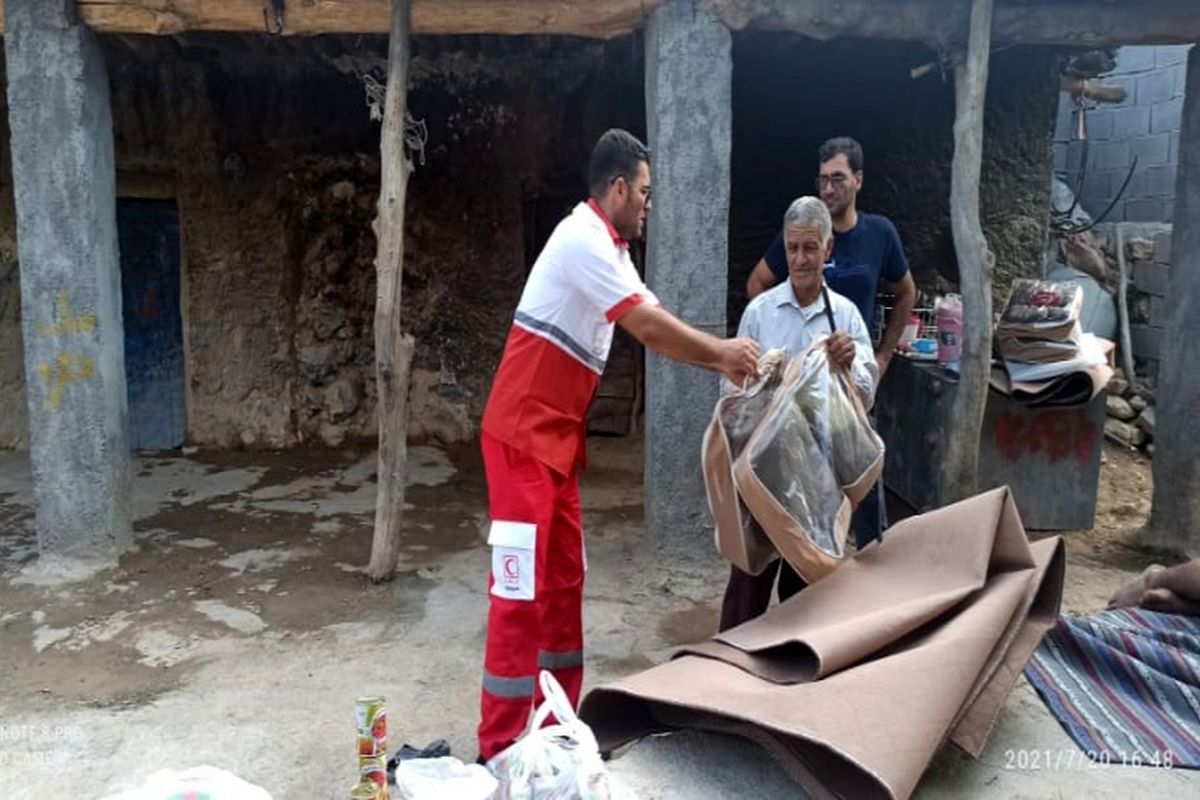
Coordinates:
(1054, 432)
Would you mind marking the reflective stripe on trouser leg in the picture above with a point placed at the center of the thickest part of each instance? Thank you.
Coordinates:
(560, 595)
(520, 490)
(508, 688)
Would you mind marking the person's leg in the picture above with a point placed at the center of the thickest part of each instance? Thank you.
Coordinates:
(865, 522)
(870, 518)
(521, 496)
(746, 596)
(560, 594)
(790, 582)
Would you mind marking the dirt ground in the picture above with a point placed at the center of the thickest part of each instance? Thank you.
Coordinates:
(240, 629)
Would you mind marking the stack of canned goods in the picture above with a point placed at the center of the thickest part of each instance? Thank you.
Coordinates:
(371, 723)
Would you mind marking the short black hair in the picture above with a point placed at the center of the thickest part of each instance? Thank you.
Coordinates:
(616, 155)
(842, 146)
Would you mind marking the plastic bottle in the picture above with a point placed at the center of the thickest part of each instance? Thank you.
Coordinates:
(949, 329)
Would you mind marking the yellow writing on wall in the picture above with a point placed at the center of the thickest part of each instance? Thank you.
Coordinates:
(69, 323)
(67, 368)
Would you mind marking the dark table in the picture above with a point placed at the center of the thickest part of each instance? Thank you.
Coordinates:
(1049, 457)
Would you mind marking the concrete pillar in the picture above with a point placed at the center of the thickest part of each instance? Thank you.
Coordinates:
(689, 113)
(1175, 515)
(64, 186)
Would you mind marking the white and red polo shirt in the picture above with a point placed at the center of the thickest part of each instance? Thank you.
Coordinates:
(582, 283)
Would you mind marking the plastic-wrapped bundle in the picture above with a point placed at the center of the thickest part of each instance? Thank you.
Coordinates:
(857, 448)
(739, 537)
(810, 460)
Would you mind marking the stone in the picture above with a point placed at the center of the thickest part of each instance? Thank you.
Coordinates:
(1118, 386)
(342, 190)
(315, 362)
(342, 398)
(329, 322)
(1123, 433)
(1138, 403)
(1145, 421)
(1162, 247)
(1120, 409)
(436, 411)
(1147, 341)
(1141, 309)
(1139, 249)
(332, 435)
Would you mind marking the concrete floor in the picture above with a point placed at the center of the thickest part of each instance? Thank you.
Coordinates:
(240, 630)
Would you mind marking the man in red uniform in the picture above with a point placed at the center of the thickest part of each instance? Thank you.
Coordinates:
(534, 429)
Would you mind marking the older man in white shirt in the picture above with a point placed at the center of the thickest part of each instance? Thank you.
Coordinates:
(791, 316)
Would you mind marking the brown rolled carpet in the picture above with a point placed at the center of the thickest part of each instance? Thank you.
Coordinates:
(855, 683)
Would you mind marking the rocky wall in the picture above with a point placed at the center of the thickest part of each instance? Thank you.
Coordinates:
(267, 147)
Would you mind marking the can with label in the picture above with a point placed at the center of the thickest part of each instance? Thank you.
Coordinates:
(374, 769)
(365, 791)
(371, 726)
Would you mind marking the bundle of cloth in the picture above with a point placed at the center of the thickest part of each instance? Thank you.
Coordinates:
(1045, 357)
(786, 460)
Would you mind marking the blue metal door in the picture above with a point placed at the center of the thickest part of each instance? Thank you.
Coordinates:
(148, 232)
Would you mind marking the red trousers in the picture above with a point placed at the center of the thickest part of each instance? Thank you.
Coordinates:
(535, 616)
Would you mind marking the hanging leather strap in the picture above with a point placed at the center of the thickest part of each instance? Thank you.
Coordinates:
(828, 307)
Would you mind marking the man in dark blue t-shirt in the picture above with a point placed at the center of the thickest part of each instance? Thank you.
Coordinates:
(866, 249)
(866, 252)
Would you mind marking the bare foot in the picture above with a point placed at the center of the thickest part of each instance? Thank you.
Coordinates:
(1131, 593)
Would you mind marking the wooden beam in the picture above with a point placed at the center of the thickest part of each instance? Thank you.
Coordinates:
(393, 350)
(1090, 23)
(1083, 23)
(960, 470)
(600, 19)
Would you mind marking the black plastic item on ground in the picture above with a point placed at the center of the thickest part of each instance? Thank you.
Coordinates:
(435, 749)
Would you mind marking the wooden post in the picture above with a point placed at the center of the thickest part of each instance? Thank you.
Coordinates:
(960, 472)
(1123, 307)
(1175, 515)
(393, 350)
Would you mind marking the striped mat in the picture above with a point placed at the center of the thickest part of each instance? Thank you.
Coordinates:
(1125, 684)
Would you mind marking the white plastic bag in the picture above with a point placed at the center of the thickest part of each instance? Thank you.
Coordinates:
(204, 781)
(555, 762)
(441, 779)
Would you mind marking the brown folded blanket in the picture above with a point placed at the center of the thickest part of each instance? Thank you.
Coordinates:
(855, 683)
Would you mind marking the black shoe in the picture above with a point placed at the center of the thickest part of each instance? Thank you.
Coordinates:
(407, 752)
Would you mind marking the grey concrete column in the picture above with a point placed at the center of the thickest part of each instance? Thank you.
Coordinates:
(1175, 515)
(64, 185)
(689, 113)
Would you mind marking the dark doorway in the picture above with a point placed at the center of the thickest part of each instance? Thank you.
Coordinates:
(148, 232)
